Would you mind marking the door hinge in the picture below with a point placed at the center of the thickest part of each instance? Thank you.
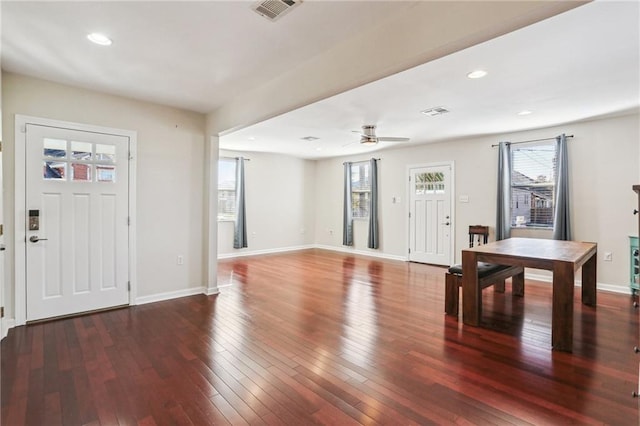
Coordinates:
(409, 250)
(128, 220)
(128, 285)
(2, 312)
(409, 214)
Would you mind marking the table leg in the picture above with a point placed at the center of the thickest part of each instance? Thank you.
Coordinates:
(471, 294)
(562, 310)
(589, 277)
(517, 284)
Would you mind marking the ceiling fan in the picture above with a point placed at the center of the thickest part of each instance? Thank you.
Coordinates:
(368, 136)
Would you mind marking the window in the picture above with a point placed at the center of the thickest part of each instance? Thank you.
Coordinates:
(429, 183)
(226, 189)
(360, 189)
(75, 161)
(532, 185)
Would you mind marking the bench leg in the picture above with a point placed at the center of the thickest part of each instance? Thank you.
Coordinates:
(499, 286)
(451, 294)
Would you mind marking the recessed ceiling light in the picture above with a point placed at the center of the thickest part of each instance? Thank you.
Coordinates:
(525, 112)
(310, 138)
(251, 138)
(477, 74)
(100, 39)
(319, 148)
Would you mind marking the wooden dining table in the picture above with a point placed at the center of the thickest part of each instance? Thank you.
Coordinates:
(563, 258)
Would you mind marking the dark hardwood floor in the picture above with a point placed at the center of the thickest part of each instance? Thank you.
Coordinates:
(318, 337)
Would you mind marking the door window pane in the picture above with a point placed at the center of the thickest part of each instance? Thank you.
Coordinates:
(55, 148)
(80, 172)
(80, 150)
(55, 170)
(106, 153)
(429, 183)
(105, 173)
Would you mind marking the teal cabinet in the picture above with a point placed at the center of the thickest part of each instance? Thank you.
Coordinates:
(634, 277)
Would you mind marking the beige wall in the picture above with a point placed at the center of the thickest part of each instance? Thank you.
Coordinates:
(603, 166)
(170, 175)
(280, 197)
(294, 202)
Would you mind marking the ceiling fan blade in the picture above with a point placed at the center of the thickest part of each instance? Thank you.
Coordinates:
(383, 139)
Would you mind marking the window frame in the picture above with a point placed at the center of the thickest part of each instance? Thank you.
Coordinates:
(364, 179)
(229, 217)
(546, 191)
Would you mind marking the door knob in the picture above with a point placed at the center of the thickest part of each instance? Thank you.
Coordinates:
(446, 223)
(35, 239)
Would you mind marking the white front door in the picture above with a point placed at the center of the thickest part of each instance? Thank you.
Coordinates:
(77, 221)
(430, 215)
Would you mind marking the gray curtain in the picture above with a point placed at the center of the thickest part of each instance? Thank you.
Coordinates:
(561, 220)
(373, 206)
(240, 226)
(347, 214)
(503, 206)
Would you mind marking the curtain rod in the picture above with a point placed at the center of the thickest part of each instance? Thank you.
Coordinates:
(532, 140)
(234, 158)
(361, 161)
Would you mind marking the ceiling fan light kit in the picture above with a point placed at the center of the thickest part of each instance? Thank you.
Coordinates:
(367, 140)
(368, 136)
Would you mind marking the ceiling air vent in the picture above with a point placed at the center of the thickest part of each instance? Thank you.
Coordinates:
(274, 9)
(435, 111)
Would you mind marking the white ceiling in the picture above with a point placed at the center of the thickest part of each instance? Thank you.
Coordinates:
(581, 64)
(199, 55)
(190, 54)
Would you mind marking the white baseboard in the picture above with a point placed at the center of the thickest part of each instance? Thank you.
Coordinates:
(5, 325)
(372, 253)
(599, 286)
(212, 291)
(247, 252)
(170, 295)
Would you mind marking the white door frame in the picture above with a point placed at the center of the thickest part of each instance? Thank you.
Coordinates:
(20, 214)
(452, 238)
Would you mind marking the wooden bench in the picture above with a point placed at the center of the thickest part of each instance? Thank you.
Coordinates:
(488, 274)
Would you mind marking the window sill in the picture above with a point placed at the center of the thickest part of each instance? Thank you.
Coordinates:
(226, 220)
(531, 232)
(537, 228)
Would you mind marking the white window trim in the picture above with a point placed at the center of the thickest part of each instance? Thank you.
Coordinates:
(218, 218)
(551, 184)
(365, 191)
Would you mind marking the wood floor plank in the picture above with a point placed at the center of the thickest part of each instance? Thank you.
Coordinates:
(319, 337)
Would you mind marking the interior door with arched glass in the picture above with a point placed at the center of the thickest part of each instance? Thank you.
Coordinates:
(430, 215)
